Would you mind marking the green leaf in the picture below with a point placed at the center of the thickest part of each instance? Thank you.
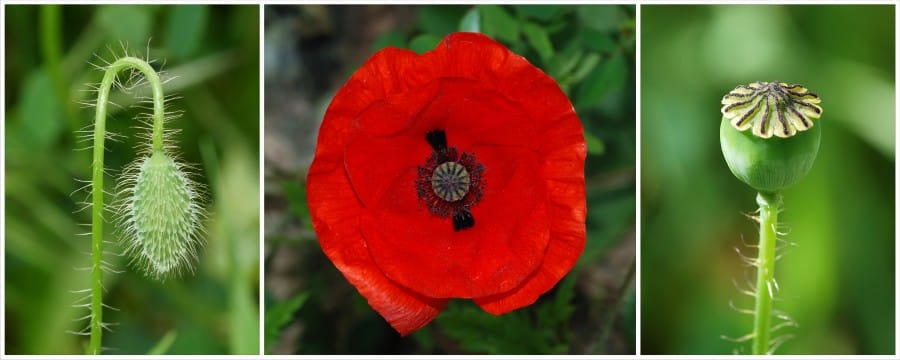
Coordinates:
(538, 39)
(498, 24)
(389, 39)
(629, 316)
(511, 333)
(557, 25)
(556, 312)
(185, 31)
(280, 315)
(597, 41)
(295, 194)
(585, 67)
(537, 12)
(607, 76)
(471, 21)
(42, 118)
(594, 145)
(610, 215)
(129, 24)
(542, 328)
(423, 43)
(439, 20)
(423, 337)
(563, 63)
(243, 319)
(600, 17)
(164, 344)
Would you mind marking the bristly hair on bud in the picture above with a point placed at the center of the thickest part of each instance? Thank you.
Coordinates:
(159, 215)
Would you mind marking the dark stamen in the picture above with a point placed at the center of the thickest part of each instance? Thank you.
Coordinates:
(437, 139)
(462, 219)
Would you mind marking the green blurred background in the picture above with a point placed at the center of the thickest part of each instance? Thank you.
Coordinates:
(838, 282)
(312, 50)
(212, 54)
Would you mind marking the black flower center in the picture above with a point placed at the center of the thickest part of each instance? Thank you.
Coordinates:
(449, 183)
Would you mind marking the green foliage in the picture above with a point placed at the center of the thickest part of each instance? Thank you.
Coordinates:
(279, 315)
(164, 344)
(538, 12)
(46, 123)
(131, 24)
(610, 75)
(389, 39)
(539, 40)
(439, 21)
(601, 18)
(629, 318)
(471, 22)
(497, 23)
(540, 329)
(185, 31)
(594, 145)
(424, 42)
(295, 193)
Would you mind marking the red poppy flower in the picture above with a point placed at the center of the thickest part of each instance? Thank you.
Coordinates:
(455, 174)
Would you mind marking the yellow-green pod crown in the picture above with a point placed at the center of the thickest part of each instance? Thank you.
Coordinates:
(771, 108)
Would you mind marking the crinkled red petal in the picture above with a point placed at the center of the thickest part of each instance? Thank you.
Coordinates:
(336, 213)
(471, 55)
(336, 216)
(567, 210)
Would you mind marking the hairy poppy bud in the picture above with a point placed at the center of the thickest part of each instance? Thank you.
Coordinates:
(766, 163)
(162, 216)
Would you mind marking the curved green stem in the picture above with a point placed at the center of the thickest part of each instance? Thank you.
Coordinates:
(109, 78)
(765, 275)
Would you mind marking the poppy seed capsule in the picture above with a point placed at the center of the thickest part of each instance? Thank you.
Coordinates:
(163, 215)
(450, 181)
(766, 163)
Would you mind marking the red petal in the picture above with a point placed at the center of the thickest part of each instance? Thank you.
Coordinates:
(391, 71)
(336, 215)
(568, 234)
(471, 55)
(423, 252)
(336, 211)
(476, 56)
(567, 211)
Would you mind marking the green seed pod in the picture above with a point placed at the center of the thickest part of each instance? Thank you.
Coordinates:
(163, 216)
(766, 163)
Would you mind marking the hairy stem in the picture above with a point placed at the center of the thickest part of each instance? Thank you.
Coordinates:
(109, 77)
(765, 275)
